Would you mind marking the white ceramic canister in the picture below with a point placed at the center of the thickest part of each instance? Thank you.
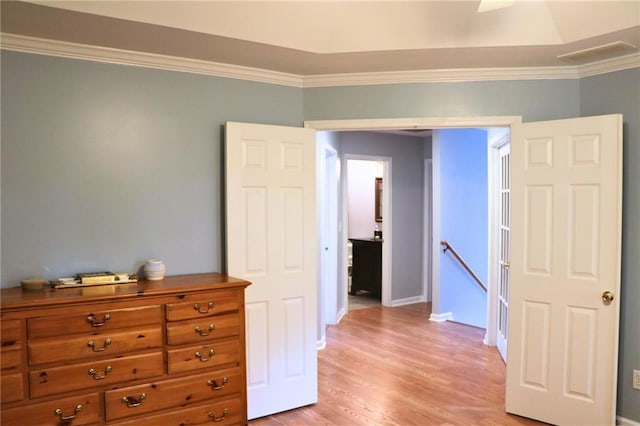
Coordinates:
(154, 269)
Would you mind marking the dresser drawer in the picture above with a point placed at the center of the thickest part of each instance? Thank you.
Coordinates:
(10, 359)
(11, 387)
(10, 334)
(92, 345)
(84, 409)
(54, 380)
(225, 412)
(203, 304)
(93, 321)
(215, 354)
(197, 330)
(165, 394)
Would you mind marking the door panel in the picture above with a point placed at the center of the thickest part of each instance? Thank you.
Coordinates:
(504, 274)
(566, 233)
(272, 242)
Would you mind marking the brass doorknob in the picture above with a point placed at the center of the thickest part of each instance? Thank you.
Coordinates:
(607, 297)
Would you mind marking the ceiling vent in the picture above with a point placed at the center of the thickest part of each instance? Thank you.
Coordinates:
(598, 53)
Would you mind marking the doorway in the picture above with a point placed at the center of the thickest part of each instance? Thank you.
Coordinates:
(364, 232)
(355, 164)
(434, 240)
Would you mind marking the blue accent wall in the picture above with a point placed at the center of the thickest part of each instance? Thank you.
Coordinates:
(463, 222)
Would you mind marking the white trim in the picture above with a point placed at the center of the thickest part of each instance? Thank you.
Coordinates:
(387, 203)
(626, 422)
(341, 313)
(427, 226)
(435, 228)
(441, 76)
(41, 46)
(321, 344)
(407, 301)
(493, 200)
(446, 316)
(610, 65)
(327, 209)
(65, 49)
(413, 123)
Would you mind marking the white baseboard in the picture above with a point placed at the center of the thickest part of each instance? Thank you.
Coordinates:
(322, 343)
(621, 421)
(341, 315)
(407, 301)
(446, 316)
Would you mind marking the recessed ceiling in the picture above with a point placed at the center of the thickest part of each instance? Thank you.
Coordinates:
(327, 37)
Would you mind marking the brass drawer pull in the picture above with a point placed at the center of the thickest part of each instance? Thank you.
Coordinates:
(92, 345)
(100, 376)
(133, 402)
(211, 354)
(66, 419)
(205, 333)
(215, 386)
(92, 320)
(221, 418)
(209, 307)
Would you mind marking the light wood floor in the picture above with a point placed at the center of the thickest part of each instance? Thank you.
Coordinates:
(391, 366)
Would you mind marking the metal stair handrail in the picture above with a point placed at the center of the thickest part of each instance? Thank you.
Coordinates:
(464, 264)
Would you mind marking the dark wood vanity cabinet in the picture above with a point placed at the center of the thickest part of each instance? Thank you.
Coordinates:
(366, 270)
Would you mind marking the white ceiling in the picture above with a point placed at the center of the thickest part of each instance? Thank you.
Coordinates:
(325, 37)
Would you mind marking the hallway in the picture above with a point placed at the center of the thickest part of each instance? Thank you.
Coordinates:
(392, 366)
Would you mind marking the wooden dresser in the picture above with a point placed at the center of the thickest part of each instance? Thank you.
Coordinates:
(168, 352)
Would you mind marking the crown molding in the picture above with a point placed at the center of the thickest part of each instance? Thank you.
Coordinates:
(64, 49)
(477, 74)
(19, 43)
(441, 76)
(610, 65)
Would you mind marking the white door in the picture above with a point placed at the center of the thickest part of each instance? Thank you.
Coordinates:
(504, 250)
(565, 245)
(272, 242)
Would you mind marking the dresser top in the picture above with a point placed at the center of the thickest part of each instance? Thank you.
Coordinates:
(16, 298)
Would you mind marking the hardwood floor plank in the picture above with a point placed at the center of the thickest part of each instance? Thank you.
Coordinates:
(392, 366)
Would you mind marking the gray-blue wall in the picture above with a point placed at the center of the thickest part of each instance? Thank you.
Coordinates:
(533, 100)
(619, 92)
(104, 166)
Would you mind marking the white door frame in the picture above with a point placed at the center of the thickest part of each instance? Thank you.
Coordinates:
(493, 147)
(427, 226)
(419, 123)
(328, 305)
(387, 236)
